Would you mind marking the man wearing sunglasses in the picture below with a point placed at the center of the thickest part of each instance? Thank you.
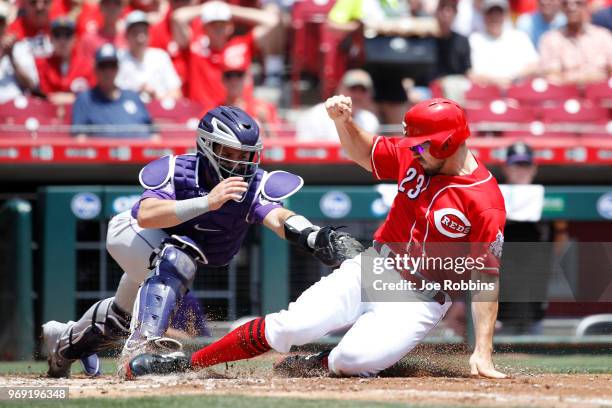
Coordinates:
(444, 196)
(578, 53)
(66, 71)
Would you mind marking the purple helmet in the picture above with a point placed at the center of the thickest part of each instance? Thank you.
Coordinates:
(229, 127)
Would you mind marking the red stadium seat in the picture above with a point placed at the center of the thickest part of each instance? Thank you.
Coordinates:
(175, 117)
(501, 118)
(478, 93)
(307, 18)
(578, 117)
(30, 118)
(600, 93)
(538, 91)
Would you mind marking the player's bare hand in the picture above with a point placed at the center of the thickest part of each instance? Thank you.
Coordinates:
(481, 365)
(339, 108)
(232, 188)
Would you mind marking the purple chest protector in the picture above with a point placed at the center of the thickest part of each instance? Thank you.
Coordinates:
(219, 233)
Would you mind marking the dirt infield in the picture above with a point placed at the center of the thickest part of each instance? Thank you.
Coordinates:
(426, 386)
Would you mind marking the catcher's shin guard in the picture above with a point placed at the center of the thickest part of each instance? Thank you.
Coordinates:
(175, 265)
(101, 327)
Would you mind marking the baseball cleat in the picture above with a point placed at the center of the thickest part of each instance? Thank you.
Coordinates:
(91, 365)
(146, 364)
(314, 365)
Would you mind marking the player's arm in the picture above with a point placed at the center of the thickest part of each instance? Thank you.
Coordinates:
(356, 142)
(160, 213)
(484, 315)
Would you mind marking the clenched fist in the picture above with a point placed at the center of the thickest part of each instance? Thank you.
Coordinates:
(339, 108)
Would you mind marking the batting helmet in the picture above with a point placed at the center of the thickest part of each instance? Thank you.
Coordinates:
(439, 121)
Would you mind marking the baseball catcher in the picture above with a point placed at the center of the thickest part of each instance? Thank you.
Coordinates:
(196, 209)
(445, 196)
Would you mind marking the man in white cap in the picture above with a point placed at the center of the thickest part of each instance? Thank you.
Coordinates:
(500, 54)
(315, 123)
(142, 68)
(216, 47)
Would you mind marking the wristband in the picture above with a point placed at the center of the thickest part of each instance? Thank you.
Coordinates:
(186, 210)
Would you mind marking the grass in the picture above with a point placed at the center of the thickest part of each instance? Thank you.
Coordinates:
(227, 401)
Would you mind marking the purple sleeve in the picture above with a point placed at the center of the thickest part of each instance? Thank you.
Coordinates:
(164, 193)
(260, 209)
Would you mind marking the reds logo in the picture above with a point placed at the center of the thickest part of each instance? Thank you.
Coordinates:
(452, 222)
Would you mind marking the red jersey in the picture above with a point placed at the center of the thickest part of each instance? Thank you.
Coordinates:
(79, 76)
(21, 30)
(160, 36)
(206, 67)
(467, 211)
(88, 19)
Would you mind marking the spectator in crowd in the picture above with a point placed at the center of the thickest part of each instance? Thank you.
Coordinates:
(107, 110)
(315, 124)
(83, 12)
(453, 48)
(469, 17)
(603, 17)
(143, 69)
(501, 54)
(66, 71)
(526, 282)
(216, 46)
(547, 17)
(380, 18)
(234, 81)
(578, 53)
(32, 25)
(162, 36)
(17, 68)
(109, 31)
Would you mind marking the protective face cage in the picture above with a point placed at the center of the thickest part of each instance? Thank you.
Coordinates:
(230, 168)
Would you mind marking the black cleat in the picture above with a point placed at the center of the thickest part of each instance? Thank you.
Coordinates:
(145, 364)
(314, 365)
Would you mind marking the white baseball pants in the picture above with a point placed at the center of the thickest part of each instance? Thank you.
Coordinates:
(381, 333)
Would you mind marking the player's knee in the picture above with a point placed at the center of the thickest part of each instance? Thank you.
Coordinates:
(348, 362)
(282, 333)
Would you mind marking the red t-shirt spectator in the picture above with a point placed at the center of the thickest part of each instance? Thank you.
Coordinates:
(160, 36)
(88, 18)
(78, 77)
(206, 67)
(21, 30)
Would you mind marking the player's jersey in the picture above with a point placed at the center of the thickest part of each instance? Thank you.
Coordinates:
(467, 211)
(219, 233)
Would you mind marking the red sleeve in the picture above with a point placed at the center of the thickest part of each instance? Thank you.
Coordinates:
(487, 238)
(384, 158)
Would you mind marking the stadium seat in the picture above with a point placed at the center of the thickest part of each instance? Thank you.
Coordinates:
(175, 117)
(501, 118)
(307, 18)
(538, 91)
(601, 93)
(23, 117)
(578, 117)
(478, 93)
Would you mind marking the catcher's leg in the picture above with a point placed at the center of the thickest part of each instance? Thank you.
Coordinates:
(107, 322)
(383, 335)
(174, 269)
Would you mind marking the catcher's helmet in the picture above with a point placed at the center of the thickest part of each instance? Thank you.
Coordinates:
(439, 121)
(228, 126)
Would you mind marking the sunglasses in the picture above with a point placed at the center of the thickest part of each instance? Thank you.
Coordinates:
(418, 149)
(574, 3)
(62, 34)
(107, 65)
(233, 74)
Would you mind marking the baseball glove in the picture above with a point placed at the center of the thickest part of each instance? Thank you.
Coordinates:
(332, 247)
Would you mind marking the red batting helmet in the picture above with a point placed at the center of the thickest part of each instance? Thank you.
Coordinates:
(439, 121)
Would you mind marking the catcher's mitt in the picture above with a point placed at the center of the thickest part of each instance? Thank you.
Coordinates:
(333, 247)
